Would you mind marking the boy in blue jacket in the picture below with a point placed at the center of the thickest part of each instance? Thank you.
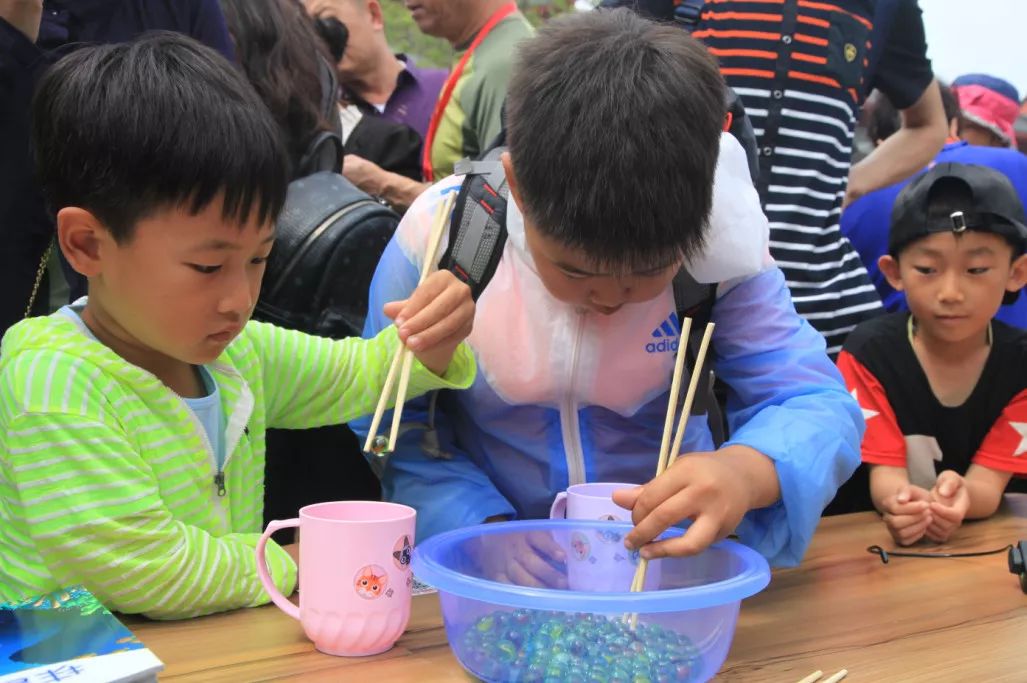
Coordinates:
(620, 177)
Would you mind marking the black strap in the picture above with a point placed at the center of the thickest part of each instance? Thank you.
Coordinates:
(742, 130)
(477, 231)
(694, 300)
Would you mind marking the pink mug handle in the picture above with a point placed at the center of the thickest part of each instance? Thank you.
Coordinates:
(265, 577)
(559, 508)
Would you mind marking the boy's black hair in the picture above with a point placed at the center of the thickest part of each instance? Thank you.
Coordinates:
(614, 132)
(126, 130)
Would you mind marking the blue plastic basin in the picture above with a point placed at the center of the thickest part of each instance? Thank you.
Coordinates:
(514, 613)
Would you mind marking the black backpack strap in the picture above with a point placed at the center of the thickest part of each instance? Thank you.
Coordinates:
(740, 126)
(694, 300)
(477, 231)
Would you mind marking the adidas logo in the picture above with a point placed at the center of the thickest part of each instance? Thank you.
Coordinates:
(668, 334)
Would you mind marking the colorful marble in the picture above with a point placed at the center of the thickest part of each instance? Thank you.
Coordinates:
(379, 445)
(529, 646)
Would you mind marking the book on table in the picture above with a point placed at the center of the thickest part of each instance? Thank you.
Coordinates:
(68, 635)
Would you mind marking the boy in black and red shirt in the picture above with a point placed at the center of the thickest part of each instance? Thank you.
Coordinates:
(943, 387)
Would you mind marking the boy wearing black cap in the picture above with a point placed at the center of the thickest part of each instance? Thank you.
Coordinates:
(943, 388)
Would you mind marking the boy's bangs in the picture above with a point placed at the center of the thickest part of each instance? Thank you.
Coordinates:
(125, 130)
(633, 262)
(245, 192)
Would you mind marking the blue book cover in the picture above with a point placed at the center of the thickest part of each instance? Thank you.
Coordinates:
(69, 635)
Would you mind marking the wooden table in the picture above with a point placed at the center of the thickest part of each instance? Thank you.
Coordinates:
(913, 620)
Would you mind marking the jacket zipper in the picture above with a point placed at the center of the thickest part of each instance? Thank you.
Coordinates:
(569, 424)
(219, 471)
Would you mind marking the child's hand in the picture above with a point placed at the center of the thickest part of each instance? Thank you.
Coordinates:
(907, 514)
(949, 502)
(699, 486)
(435, 319)
(532, 560)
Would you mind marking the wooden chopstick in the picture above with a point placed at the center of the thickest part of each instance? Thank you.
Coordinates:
(383, 401)
(665, 453)
(668, 426)
(672, 401)
(693, 384)
(402, 361)
(815, 676)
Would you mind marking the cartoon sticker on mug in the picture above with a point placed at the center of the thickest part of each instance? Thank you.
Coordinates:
(609, 536)
(401, 553)
(371, 582)
(580, 546)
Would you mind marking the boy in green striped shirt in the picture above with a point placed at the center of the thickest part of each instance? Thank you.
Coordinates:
(132, 422)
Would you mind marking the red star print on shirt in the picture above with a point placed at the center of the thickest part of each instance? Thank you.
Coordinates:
(883, 443)
(1005, 446)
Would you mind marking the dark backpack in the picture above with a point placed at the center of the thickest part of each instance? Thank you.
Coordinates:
(330, 237)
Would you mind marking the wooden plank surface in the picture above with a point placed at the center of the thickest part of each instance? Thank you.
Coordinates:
(911, 620)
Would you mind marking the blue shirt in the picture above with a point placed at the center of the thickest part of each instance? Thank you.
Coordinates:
(207, 409)
(867, 220)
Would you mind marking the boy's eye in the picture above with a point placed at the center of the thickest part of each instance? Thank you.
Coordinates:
(979, 271)
(206, 270)
(260, 260)
(923, 270)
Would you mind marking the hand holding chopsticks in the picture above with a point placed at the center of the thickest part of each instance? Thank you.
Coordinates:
(402, 361)
(668, 446)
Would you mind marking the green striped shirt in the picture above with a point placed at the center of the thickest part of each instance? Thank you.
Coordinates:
(107, 477)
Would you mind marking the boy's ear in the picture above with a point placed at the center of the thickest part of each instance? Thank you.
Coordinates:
(82, 239)
(1017, 274)
(511, 178)
(889, 266)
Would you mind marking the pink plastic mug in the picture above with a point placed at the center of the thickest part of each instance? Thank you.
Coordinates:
(354, 575)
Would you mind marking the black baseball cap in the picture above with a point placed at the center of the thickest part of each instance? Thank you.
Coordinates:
(994, 207)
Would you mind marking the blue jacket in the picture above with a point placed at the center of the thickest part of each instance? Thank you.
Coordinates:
(867, 220)
(564, 397)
